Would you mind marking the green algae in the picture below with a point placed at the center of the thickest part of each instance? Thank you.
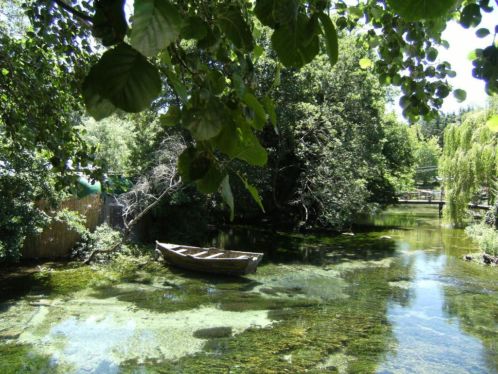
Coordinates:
(21, 358)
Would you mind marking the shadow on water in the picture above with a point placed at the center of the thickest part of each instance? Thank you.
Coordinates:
(317, 250)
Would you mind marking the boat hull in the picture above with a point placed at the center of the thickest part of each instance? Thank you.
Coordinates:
(211, 260)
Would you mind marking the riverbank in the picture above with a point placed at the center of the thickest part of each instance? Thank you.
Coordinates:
(364, 303)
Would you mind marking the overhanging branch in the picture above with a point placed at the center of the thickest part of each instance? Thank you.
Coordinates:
(85, 17)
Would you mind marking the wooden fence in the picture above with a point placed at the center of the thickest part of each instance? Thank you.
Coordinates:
(57, 240)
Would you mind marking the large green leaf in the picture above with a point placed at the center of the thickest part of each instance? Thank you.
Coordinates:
(227, 195)
(253, 192)
(237, 140)
(156, 23)
(236, 28)
(270, 109)
(293, 44)
(193, 164)
(211, 181)
(109, 21)
(97, 105)
(125, 78)
(205, 123)
(259, 113)
(276, 13)
(415, 10)
(460, 95)
(331, 40)
(194, 28)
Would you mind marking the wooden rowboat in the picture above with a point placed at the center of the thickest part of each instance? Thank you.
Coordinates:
(209, 260)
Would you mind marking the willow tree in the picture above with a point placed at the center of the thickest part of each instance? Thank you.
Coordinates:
(469, 162)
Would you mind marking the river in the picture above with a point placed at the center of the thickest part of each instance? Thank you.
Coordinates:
(395, 297)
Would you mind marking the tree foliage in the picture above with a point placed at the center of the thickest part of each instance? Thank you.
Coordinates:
(469, 162)
(205, 53)
(331, 154)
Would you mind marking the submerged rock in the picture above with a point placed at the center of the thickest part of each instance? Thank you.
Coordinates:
(213, 333)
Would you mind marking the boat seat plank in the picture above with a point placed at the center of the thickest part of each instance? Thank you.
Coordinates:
(200, 254)
(215, 255)
(243, 257)
(181, 250)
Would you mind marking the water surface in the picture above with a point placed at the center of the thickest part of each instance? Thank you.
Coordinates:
(394, 298)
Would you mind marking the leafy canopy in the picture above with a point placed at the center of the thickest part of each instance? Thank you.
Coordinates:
(204, 53)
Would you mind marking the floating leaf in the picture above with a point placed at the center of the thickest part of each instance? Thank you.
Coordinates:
(156, 23)
(227, 195)
(331, 40)
(460, 95)
(492, 123)
(415, 10)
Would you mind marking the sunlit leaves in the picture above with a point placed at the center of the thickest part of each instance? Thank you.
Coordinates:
(156, 23)
(415, 10)
(123, 77)
(365, 63)
(492, 123)
(331, 40)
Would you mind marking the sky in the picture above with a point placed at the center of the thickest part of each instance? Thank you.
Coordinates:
(462, 42)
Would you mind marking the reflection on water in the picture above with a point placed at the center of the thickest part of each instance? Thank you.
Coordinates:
(394, 298)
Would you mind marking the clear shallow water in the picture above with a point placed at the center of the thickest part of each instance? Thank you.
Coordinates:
(394, 298)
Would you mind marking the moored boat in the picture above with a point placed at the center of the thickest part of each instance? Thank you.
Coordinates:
(209, 260)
